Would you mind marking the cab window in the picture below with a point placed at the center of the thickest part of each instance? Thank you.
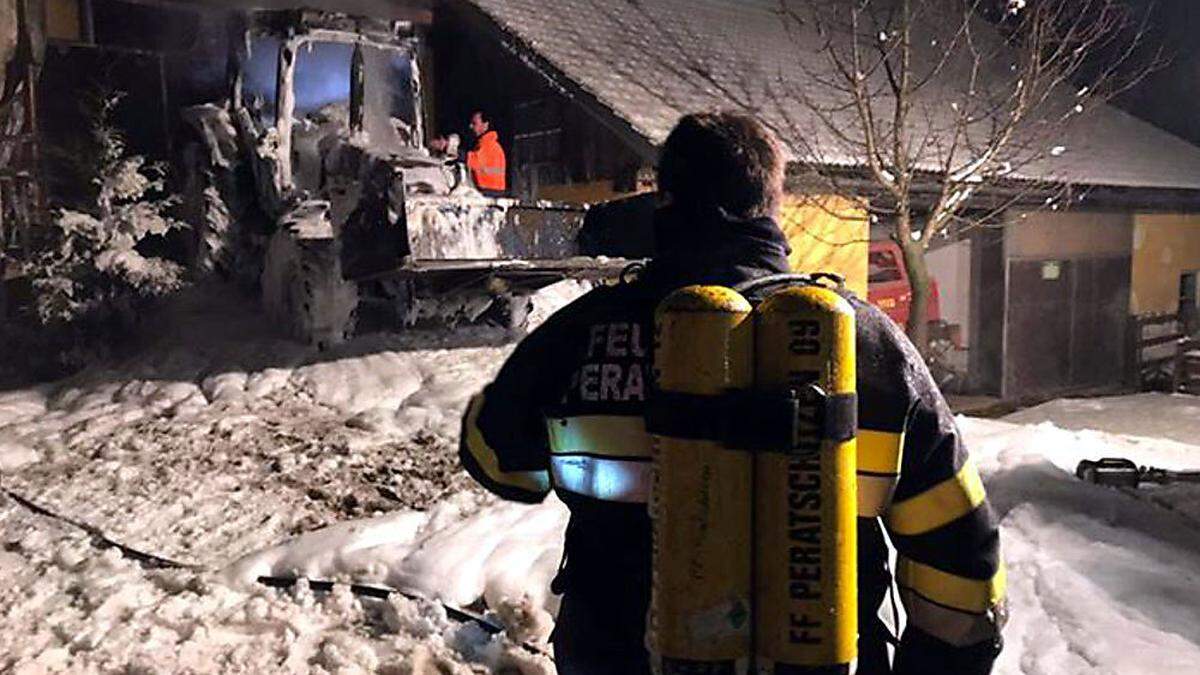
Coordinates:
(882, 267)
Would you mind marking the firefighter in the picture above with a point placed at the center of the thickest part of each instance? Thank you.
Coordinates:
(486, 162)
(565, 413)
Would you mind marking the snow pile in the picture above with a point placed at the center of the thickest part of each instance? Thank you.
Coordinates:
(461, 551)
(20, 405)
(1100, 580)
(14, 456)
(69, 608)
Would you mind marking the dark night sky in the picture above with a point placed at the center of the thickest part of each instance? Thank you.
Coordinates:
(1170, 97)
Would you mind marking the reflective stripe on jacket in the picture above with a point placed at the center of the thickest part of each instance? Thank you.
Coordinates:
(487, 163)
(605, 457)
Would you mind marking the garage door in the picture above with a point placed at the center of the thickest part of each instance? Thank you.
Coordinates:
(1065, 324)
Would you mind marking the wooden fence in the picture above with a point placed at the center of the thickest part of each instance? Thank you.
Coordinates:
(1153, 340)
(1185, 375)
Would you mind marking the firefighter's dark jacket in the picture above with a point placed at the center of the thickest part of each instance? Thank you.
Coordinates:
(565, 413)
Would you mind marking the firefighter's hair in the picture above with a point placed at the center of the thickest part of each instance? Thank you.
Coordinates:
(723, 159)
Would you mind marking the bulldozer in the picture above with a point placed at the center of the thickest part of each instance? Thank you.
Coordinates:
(342, 217)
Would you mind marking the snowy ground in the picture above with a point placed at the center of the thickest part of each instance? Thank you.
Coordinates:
(216, 441)
(1100, 581)
(225, 449)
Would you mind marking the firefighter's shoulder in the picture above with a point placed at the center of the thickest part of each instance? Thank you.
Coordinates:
(890, 380)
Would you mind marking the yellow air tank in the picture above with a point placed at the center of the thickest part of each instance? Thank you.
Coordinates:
(702, 493)
(805, 550)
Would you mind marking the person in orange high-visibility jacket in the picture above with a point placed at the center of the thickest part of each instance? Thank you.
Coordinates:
(486, 161)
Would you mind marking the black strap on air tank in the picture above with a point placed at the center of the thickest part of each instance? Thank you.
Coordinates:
(774, 281)
(796, 421)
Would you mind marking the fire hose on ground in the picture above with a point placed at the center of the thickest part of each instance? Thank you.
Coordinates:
(156, 562)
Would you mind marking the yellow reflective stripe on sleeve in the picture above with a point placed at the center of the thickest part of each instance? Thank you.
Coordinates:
(974, 596)
(485, 456)
(874, 494)
(879, 451)
(616, 436)
(879, 454)
(945, 502)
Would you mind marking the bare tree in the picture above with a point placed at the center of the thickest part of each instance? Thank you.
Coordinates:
(934, 115)
(924, 105)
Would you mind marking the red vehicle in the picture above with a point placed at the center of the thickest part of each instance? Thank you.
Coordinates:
(888, 289)
(887, 284)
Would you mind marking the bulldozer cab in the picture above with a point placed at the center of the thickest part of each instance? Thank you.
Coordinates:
(366, 226)
(319, 83)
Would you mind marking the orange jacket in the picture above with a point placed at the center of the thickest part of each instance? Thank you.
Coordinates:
(486, 163)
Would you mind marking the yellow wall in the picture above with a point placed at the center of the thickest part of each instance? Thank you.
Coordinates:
(62, 20)
(828, 234)
(1164, 247)
(580, 193)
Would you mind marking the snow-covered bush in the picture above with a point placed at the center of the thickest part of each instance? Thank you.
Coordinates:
(89, 266)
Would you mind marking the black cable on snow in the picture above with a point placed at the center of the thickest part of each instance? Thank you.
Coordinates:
(152, 561)
(99, 540)
(382, 593)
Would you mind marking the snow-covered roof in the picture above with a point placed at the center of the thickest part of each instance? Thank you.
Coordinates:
(643, 63)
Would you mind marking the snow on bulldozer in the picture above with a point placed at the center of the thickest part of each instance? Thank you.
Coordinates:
(339, 213)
